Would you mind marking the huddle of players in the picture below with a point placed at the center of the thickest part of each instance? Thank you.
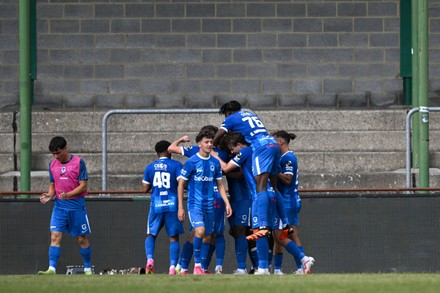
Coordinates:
(263, 194)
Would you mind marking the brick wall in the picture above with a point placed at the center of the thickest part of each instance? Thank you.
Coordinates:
(172, 53)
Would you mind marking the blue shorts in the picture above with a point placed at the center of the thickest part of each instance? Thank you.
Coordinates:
(271, 210)
(219, 216)
(200, 218)
(74, 222)
(293, 213)
(157, 220)
(266, 159)
(241, 213)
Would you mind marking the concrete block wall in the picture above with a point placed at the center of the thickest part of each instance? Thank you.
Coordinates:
(281, 54)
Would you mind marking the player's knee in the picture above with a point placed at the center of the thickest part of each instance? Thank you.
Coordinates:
(83, 241)
(55, 238)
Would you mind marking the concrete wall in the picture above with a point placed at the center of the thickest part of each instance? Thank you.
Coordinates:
(161, 54)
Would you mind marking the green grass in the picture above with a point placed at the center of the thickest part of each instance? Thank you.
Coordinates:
(222, 283)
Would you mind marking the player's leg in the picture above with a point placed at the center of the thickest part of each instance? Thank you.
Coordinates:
(79, 227)
(218, 241)
(173, 228)
(174, 253)
(198, 224)
(154, 225)
(58, 225)
(209, 221)
(187, 253)
(277, 256)
(294, 219)
(290, 246)
(54, 253)
(86, 253)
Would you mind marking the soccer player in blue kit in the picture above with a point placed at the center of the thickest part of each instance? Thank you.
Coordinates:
(240, 197)
(217, 238)
(265, 158)
(288, 187)
(161, 178)
(201, 171)
(243, 158)
(68, 185)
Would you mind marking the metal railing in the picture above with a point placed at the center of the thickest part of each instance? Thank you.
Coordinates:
(134, 111)
(408, 141)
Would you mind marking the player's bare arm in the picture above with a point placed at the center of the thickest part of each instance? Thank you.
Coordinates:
(47, 196)
(77, 191)
(180, 191)
(218, 135)
(175, 147)
(285, 178)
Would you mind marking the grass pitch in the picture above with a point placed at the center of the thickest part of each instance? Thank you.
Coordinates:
(222, 283)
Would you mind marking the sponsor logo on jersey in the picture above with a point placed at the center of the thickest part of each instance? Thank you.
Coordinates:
(203, 178)
(160, 166)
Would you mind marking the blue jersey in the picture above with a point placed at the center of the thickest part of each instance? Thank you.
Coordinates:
(201, 174)
(244, 160)
(238, 189)
(192, 150)
(289, 165)
(162, 175)
(250, 126)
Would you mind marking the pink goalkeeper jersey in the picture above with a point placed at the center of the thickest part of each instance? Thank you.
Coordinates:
(66, 176)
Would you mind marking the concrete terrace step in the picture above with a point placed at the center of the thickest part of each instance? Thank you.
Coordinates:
(396, 179)
(333, 146)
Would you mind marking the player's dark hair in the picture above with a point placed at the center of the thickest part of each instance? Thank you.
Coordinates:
(233, 138)
(162, 146)
(231, 106)
(223, 143)
(204, 134)
(57, 143)
(211, 128)
(287, 137)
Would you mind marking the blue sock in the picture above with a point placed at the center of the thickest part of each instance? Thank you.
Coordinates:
(54, 254)
(263, 253)
(253, 256)
(281, 209)
(174, 252)
(262, 203)
(269, 257)
(207, 261)
(86, 255)
(297, 259)
(220, 247)
(204, 253)
(149, 247)
(186, 255)
(197, 250)
(277, 261)
(240, 251)
(294, 250)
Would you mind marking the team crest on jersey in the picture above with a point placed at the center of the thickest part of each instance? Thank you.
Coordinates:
(63, 170)
(212, 167)
(289, 163)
